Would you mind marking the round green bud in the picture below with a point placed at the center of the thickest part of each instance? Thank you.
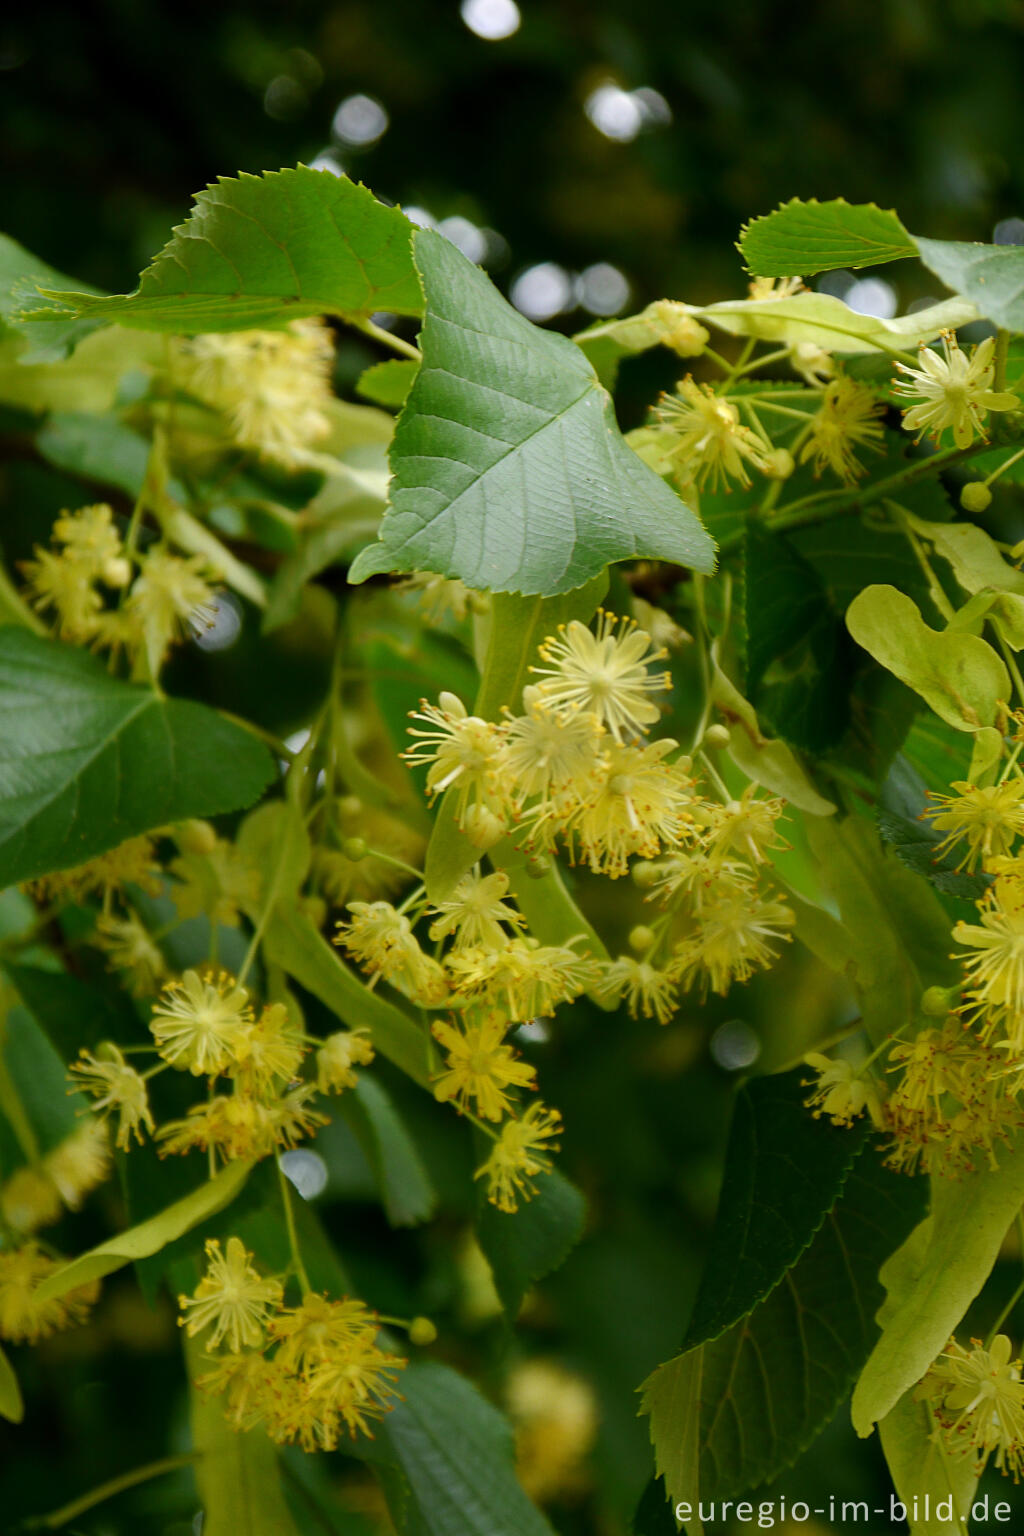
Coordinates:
(538, 867)
(195, 837)
(355, 848)
(422, 1331)
(641, 937)
(975, 496)
(779, 464)
(350, 805)
(938, 1001)
(717, 736)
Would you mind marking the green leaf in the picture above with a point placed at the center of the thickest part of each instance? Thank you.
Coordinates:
(803, 237)
(932, 1280)
(34, 1097)
(453, 1454)
(825, 321)
(766, 761)
(990, 276)
(262, 250)
(728, 1414)
(922, 1469)
(293, 942)
(783, 1173)
(537, 1239)
(238, 1472)
(273, 839)
(388, 383)
(87, 761)
(508, 468)
(959, 675)
(149, 1236)
(974, 556)
(21, 276)
(74, 1013)
(12, 1408)
(901, 806)
(406, 1191)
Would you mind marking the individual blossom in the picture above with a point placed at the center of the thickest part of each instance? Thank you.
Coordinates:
(994, 959)
(116, 1087)
(171, 599)
(475, 912)
(545, 748)
(639, 804)
(319, 1328)
(814, 364)
(977, 1399)
(243, 1125)
(270, 1049)
(349, 1389)
(644, 987)
(848, 419)
(711, 445)
(132, 862)
(29, 1199)
(65, 587)
(763, 289)
(129, 947)
(273, 387)
(955, 391)
(935, 1066)
(92, 541)
(735, 934)
(480, 1066)
(986, 819)
(746, 827)
(382, 942)
(338, 1057)
(199, 1023)
(841, 1093)
(232, 1296)
(81, 1162)
(460, 751)
(603, 672)
(215, 881)
(24, 1319)
(370, 878)
(519, 1155)
(526, 981)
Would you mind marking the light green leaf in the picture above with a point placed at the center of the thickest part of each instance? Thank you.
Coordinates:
(974, 556)
(454, 1462)
(508, 468)
(238, 1472)
(292, 942)
(12, 1408)
(609, 341)
(262, 250)
(922, 1470)
(388, 383)
(934, 1277)
(21, 277)
(990, 276)
(825, 321)
(767, 762)
(959, 675)
(803, 237)
(273, 840)
(149, 1236)
(406, 1191)
(87, 761)
(87, 382)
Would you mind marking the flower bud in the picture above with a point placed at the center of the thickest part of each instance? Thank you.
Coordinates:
(355, 848)
(422, 1331)
(938, 1001)
(975, 496)
(195, 837)
(641, 937)
(117, 572)
(779, 464)
(483, 827)
(717, 736)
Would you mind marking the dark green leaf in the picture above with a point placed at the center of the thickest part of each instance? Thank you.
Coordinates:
(538, 1238)
(406, 1191)
(508, 468)
(74, 1013)
(803, 237)
(87, 761)
(38, 1077)
(11, 1406)
(903, 800)
(261, 250)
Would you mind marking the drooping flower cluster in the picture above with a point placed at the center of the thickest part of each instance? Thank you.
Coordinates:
(108, 594)
(36, 1194)
(24, 1319)
(205, 1024)
(308, 1374)
(976, 1398)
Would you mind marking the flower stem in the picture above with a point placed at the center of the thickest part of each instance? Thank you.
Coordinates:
(289, 1221)
(396, 343)
(63, 1516)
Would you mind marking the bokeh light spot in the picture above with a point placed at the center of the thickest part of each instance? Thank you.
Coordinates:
(492, 20)
(360, 120)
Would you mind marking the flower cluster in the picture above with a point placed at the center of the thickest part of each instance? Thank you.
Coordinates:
(106, 593)
(24, 1319)
(976, 1398)
(36, 1194)
(205, 1024)
(308, 1374)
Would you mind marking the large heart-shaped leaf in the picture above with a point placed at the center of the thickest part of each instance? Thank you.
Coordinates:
(508, 468)
(261, 250)
(87, 761)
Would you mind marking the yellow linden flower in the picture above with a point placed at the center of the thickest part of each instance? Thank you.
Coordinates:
(521, 1152)
(199, 1024)
(480, 1066)
(170, 600)
(347, 1389)
(24, 1319)
(80, 1162)
(935, 1064)
(526, 981)
(953, 1099)
(272, 386)
(441, 595)
(994, 962)
(269, 1049)
(29, 1199)
(233, 1296)
(91, 540)
(318, 1329)
(129, 946)
(646, 989)
(65, 585)
(733, 938)
(215, 881)
(341, 879)
(955, 391)
(849, 418)
(986, 818)
(840, 1092)
(339, 1054)
(977, 1399)
(639, 803)
(252, 1385)
(132, 862)
(746, 826)
(814, 364)
(604, 673)
(711, 444)
(461, 749)
(555, 1416)
(475, 912)
(116, 1086)
(545, 748)
(240, 1125)
(381, 940)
